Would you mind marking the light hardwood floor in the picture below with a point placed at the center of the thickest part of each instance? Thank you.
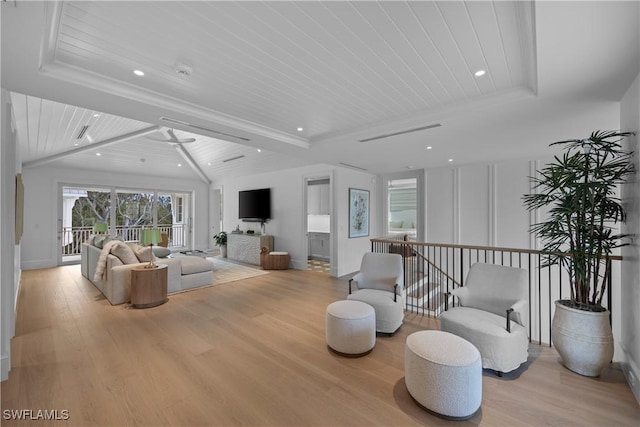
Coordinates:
(253, 352)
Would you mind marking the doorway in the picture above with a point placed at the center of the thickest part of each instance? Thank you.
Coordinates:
(318, 223)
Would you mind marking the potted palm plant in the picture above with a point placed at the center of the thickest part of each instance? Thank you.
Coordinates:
(221, 241)
(579, 189)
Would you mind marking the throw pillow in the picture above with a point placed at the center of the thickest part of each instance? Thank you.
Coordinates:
(99, 241)
(124, 253)
(142, 252)
(395, 224)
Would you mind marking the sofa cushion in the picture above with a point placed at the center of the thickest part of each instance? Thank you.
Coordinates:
(142, 252)
(194, 264)
(102, 239)
(124, 253)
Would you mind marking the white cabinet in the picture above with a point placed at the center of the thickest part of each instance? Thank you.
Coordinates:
(246, 247)
(313, 199)
(318, 201)
(319, 246)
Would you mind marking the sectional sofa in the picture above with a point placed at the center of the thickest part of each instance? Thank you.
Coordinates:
(183, 273)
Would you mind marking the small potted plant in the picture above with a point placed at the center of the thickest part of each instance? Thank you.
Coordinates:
(221, 241)
(579, 189)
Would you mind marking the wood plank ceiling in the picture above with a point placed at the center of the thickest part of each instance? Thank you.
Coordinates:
(327, 67)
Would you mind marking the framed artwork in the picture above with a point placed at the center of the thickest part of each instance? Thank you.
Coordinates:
(358, 213)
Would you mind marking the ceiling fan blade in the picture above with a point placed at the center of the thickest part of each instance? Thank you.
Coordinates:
(174, 139)
(181, 141)
(159, 139)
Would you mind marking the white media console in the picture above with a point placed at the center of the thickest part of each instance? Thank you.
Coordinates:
(246, 247)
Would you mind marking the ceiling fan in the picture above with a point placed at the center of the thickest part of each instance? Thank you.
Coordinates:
(172, 138)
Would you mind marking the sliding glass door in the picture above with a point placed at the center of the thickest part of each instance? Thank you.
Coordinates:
(125, 212)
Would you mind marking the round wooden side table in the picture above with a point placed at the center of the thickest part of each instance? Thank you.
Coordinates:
(148, 286)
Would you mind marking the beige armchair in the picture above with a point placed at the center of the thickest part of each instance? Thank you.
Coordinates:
(492, 315)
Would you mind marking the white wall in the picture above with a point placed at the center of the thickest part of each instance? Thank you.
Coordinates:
(9, 251)
(630, 277)
(479, 204)
(288, 213)
(42, 204)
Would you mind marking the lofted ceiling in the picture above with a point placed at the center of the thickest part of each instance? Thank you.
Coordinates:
(248, 74)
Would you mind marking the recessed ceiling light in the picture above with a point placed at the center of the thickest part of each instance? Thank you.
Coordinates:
(179, 165)
(259, 150)
(300, 129)
(479, 73)
(451, 160)
(75, 145)
(98, 154)
(410, 167)
(429, 147)
(138, 73)
(96, 114)
(209, 164)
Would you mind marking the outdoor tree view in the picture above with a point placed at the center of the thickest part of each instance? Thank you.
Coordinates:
(132, 210)
(83, 208)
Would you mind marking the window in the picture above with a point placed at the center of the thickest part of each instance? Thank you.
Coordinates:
(179, 209)
(134, 210)
(402, 205)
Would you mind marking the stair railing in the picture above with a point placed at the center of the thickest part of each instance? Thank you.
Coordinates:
(431, 270)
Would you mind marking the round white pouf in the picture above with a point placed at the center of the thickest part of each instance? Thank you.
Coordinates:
(443, 373)
(350, 327)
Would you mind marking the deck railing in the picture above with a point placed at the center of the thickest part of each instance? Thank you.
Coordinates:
(432, 269)
(73, 237)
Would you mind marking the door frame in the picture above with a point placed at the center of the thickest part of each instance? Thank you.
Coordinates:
(304, 244)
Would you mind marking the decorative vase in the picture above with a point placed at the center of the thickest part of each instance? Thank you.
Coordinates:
(223, 251)
(582, 338)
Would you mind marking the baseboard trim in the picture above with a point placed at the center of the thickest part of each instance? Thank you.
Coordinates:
(632, 373)
(35, 265)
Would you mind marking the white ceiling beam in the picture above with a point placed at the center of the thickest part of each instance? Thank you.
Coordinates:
(192, 163)
(114, 140)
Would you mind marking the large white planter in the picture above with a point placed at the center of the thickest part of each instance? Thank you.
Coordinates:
(583, 339)
(223, 251)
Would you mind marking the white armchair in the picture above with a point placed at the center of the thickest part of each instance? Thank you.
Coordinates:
(492, 315)
(380, 283)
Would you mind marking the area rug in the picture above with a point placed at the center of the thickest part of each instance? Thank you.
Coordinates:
(226, 272)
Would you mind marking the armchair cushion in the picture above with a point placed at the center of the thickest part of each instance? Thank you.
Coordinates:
(496, 288)
(380, 271)
(489, 291)
(376, 285)
(500, 350)
(389, 314)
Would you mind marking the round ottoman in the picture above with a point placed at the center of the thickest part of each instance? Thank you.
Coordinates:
(443, 373)
(350, 327)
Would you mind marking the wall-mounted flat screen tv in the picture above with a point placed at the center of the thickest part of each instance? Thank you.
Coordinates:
(254, 205)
